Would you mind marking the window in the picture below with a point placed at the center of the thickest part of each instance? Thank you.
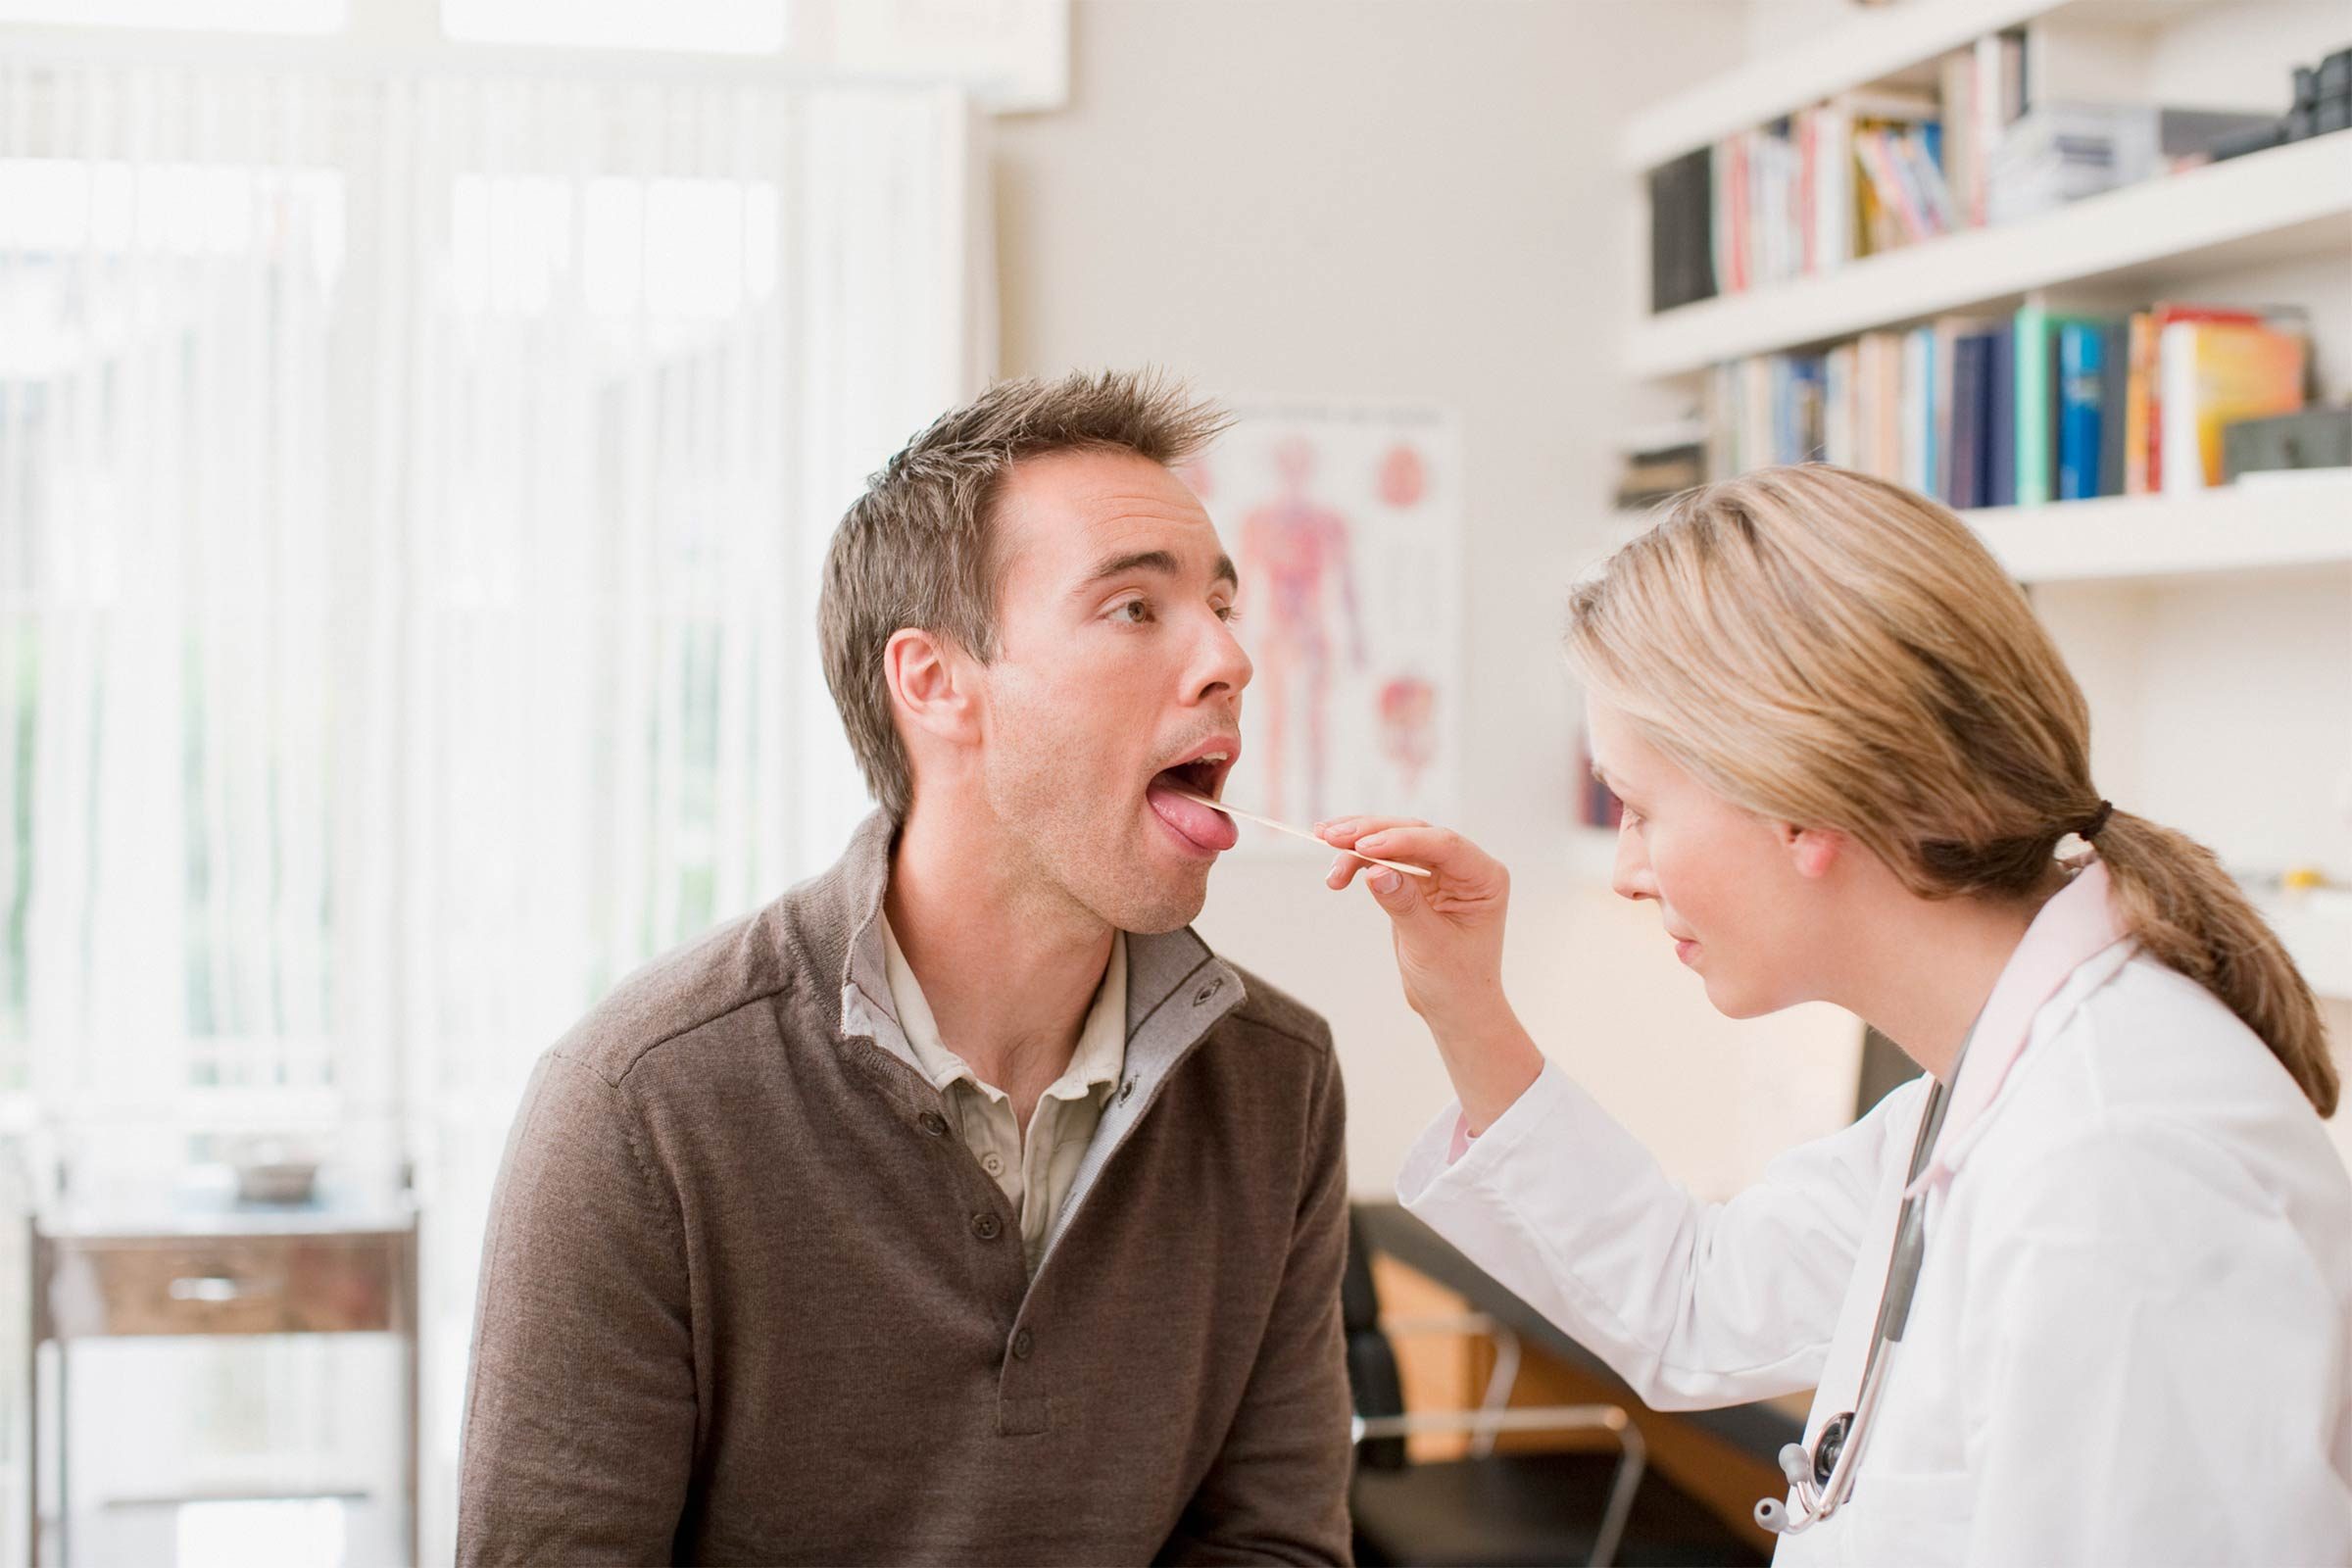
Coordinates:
(713, 26)
(189, 16)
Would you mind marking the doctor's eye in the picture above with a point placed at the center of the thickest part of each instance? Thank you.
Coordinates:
(1132, 611)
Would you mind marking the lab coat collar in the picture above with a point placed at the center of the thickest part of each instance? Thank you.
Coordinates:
(2078, 924)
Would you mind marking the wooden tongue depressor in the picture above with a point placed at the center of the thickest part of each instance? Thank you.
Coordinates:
(1295, 832)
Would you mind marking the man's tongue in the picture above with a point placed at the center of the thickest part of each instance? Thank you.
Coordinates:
(1211, 829)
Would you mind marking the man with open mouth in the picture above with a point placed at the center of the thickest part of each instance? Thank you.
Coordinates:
(960, 1205)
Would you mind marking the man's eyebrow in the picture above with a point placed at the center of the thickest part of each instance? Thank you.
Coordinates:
(1162, 562)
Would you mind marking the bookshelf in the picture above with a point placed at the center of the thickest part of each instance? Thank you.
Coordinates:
(1869, 46)
(2211, 631)
(2288, 202)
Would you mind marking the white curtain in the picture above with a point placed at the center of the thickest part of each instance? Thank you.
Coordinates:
(411, 498)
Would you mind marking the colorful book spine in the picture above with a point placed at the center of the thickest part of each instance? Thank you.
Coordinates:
(2114, 369)
(1971, 353)
(2215, 373)
(2030, 329)
(2000, 422)
(2081, 397)
(2139, 378)
(2163, 315)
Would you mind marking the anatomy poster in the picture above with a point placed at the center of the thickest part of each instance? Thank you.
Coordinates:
(1346, 522)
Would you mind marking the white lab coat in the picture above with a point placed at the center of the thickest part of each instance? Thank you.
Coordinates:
(2131, 1340)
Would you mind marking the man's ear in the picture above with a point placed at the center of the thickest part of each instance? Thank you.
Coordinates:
(1813, 851)
(930, 683)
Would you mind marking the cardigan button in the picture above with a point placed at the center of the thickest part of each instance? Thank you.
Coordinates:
(986, 1226)
(1022, 1346)
(932, 1122)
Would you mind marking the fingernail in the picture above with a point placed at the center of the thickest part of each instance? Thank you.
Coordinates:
(1384, 881)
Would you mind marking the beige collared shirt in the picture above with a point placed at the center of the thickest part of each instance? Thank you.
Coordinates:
(1035, 1173)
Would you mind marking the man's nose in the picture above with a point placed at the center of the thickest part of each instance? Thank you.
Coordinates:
(1224, 668)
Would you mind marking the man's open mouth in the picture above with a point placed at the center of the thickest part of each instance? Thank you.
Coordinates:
(1202, 773)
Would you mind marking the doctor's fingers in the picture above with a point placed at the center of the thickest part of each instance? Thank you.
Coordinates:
(1466, 876)
(1344, 831)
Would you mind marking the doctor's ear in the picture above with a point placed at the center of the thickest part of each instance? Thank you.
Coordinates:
(1813, 851)
(931, 683)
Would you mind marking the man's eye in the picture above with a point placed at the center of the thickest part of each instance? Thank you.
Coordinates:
(1230, 614)
(1132, 611)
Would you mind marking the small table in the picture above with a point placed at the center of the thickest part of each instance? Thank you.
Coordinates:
(200, 1266)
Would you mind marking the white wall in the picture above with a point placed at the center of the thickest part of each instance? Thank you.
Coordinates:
(1414, 199)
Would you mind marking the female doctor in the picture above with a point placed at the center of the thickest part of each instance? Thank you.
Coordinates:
(2082, 1293)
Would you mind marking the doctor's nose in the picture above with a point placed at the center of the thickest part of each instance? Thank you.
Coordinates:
(1629, 876)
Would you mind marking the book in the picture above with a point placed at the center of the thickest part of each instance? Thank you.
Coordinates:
(2081, 395)
(1949, 331)
(2113, 377)
(1956, 74)
(2163, 315)
(1971, 352)
(1834, 186)
(1681, 264)
(2215, 373)
(2037, 333)
(1918, 410)
(2140, 379)
(2000, 422)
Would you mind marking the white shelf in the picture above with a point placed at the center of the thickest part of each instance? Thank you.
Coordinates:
(2294, 521)
(2290, 201)
(1868, 47)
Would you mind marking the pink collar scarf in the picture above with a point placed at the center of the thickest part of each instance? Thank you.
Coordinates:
(2076, 925)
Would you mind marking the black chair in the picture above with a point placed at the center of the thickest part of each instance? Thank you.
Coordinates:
(1503, 1511)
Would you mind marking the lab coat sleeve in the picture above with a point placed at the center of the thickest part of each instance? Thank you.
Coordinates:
(1693, 1304)
(2164, 1367)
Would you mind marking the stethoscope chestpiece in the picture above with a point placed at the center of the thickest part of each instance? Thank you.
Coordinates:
(1829, 1445)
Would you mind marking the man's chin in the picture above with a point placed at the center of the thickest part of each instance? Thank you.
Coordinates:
(1156, 912)
(1158, 899)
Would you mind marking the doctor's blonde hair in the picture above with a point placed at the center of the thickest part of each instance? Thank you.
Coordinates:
(1825, 648)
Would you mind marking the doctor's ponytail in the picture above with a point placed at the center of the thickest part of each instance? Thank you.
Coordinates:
(2189, 915)
(1822, 646)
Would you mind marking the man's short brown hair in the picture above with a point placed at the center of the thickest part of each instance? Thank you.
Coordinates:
(917, 549)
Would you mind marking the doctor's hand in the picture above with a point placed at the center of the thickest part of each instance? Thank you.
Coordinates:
(1447, 929)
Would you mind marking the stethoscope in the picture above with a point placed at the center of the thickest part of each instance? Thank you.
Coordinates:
(1824, 1479)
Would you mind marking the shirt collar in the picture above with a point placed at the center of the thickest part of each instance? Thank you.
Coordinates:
(2075, 927)
(1097, 1060)
(1176, 987)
